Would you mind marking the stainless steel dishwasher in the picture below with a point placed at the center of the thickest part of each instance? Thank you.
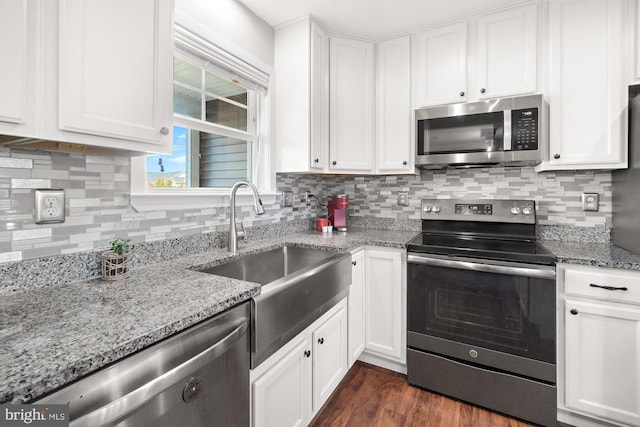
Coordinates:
(199, 377)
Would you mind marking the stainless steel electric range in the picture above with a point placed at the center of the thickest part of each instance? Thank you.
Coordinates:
(481, 304)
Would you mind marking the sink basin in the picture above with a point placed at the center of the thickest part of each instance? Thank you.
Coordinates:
(298, 286)
(267, 267)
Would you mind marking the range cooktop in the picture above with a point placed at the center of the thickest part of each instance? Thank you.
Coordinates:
(502, 230)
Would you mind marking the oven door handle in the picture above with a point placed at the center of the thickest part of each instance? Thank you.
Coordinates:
(538, 272)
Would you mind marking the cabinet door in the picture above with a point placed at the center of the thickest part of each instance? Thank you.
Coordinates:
(19, 52)
(356, 307)
(351, 105)
(282, 396)
(602, 360)
(319, 102)
(507, 52)
(441, 66)
(329, 356)
(587, 84)
(394, 118)
(115, 65)
(384, 304)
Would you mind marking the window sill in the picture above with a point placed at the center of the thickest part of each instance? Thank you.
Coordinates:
(193, 198)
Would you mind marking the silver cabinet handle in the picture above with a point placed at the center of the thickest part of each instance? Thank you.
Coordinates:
(164, 130)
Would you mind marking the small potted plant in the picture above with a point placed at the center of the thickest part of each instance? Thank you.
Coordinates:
(116, 263)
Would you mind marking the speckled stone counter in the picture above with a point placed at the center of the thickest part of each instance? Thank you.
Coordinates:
(595, 254)
(50, 336)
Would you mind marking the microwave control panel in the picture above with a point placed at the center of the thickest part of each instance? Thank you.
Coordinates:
(524, 129)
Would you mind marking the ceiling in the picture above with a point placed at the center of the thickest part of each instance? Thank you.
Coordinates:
(372, 19)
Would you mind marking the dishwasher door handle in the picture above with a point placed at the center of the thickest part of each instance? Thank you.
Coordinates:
(539, 272)
(113, 411)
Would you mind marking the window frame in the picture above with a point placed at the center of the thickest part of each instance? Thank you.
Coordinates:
(144, 198)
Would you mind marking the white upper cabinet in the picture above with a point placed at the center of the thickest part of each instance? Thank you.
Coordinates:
(587, 84)
(492, 56)
(115, 69)
(394, 136)
(301, 59)
(440, 56)
(507, 53)
(88, 74)
(18, 47)
(351, 105)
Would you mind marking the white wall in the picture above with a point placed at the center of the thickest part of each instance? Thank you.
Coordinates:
(231, 26)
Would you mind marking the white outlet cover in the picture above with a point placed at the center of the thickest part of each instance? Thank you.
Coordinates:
(49, 206)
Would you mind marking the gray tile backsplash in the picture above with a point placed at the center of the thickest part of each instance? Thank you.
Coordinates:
(98, 203)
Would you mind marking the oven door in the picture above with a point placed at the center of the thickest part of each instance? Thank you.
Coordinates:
(484, 313)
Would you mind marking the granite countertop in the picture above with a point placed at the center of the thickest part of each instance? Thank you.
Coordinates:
(594, 254)
(51, 336)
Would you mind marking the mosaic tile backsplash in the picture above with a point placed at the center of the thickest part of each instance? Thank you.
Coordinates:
(98, 208)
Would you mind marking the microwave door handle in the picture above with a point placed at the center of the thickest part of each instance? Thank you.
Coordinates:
(506, 146)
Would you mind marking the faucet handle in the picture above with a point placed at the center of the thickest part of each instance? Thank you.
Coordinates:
(240, 233)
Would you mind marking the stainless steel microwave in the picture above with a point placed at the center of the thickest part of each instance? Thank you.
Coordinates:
(497, 132)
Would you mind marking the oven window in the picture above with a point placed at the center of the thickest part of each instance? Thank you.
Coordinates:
(505, 313)
(462, 134)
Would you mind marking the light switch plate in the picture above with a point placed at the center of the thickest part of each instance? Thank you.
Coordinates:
(49, 205)
(590, 202)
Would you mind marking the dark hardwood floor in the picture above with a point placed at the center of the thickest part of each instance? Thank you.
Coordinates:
(372, 396)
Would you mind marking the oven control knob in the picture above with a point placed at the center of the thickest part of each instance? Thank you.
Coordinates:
(515, 210)
(427, 209)
(527, 210)
(436, 209)
(473, 353)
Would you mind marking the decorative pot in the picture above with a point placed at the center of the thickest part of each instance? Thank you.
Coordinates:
(114, 266)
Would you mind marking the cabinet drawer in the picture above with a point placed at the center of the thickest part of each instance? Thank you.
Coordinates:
(603, 283)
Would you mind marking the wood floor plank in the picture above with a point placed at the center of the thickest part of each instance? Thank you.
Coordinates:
(372, 396)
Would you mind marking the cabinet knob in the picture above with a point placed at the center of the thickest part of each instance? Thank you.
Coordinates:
(556, 156)
(321, 341)
(404, 163)
(483, 90)
(316, 160)
(307, 353)
(573, 311)
(354, 262)
(164, 130)
(461, 93)
(334, 163)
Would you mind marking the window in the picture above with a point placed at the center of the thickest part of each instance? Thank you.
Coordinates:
(214, 136)
(220, 134)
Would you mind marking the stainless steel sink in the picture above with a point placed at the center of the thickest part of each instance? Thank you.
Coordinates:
(299, 285)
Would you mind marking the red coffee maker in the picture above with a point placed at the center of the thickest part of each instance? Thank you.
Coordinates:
(337, 206)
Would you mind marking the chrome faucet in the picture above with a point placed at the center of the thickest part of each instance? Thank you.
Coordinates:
(234, 235)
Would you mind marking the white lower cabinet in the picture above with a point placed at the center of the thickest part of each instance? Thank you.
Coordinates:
(356, 306)
(282, 395)
(329, 356)
(601, 362)
(385, 304)
(291, 386)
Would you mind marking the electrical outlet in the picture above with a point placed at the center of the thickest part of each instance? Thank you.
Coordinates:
(590, 202)
(305, 199)
(403, 198)
(49, 205)
(287, 199)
